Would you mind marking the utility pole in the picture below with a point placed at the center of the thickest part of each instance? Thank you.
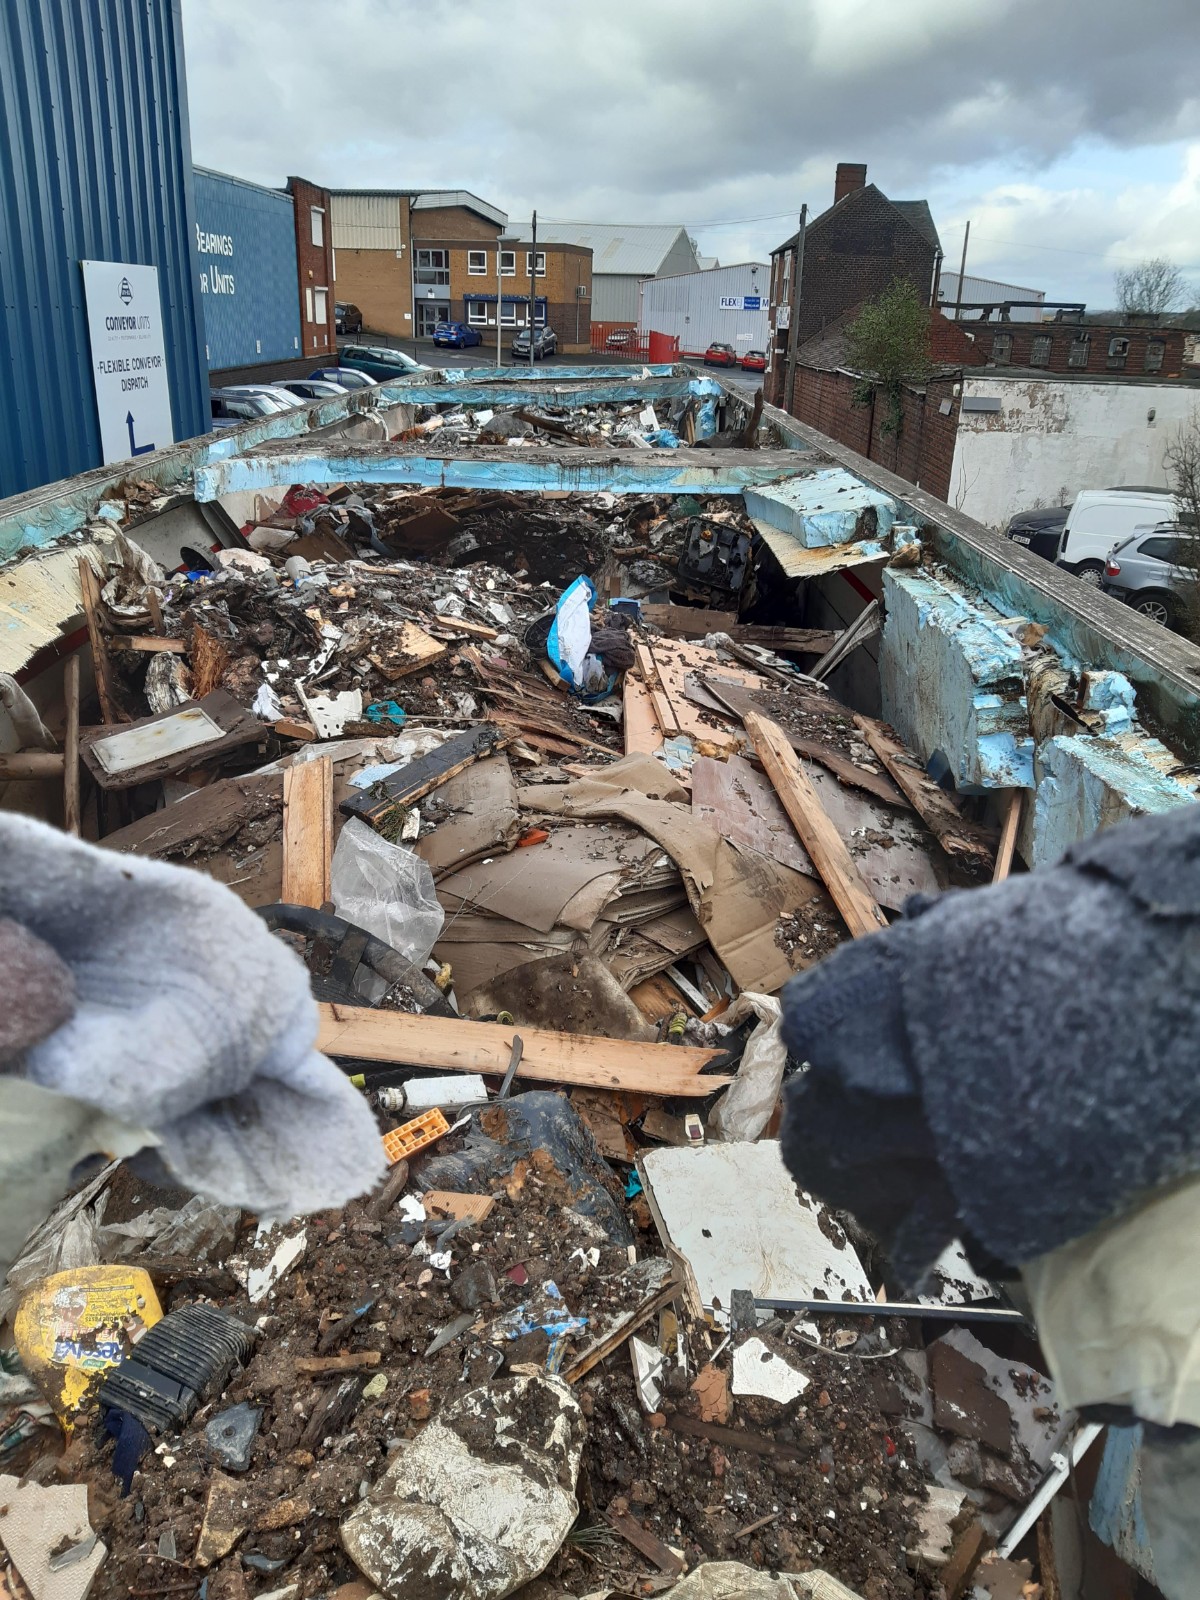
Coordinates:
(533, 293)
(962, 272)
(499, 299)
(794, 314)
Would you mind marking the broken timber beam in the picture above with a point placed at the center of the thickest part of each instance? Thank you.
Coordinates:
(22, 764)
(834, 863)
(307, 832)
(459, 1045)
(964, 841)
(415, 780)
(1008, 836)
(71, 809)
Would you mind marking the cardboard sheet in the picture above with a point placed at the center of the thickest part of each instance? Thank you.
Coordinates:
(475, 815)
(736, 800)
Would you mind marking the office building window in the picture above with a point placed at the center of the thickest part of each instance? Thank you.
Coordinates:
(477, 313)
(433, 267)
(541, 264)
(508, 315)
(316, 218)
(508, 263)
(477, 263)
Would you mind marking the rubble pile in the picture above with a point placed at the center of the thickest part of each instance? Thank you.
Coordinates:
(549, 823)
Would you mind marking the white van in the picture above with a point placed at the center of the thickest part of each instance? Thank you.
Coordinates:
(1098, 518)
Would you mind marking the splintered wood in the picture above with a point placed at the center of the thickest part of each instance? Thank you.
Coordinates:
(307, 832)
(859, 909)
(960, 839)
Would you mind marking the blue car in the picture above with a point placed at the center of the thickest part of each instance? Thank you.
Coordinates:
(457, 335)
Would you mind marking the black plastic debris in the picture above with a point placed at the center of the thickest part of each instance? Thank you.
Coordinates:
(231, 1433)
(188, 1355)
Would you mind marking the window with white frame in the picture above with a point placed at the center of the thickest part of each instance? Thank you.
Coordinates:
(320, 305)
(477, 313)
(540, 313)
(316, 219)
(477, 263)
(508, 263)
(432, 267)
(308, 304)
(508, 314)
(541, 263)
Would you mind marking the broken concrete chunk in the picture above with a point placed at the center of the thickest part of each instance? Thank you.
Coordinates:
(962, 1402)
(225, 1520)
(481, 1500)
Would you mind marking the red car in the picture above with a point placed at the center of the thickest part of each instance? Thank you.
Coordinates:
(754, 361)
(720, 355)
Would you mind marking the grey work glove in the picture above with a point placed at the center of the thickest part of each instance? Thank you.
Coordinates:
(189, 1018)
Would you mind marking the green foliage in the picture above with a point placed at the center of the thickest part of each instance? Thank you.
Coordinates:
(888, 344)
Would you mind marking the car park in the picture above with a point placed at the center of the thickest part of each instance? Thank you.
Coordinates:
(377, 361)
(619, 338)
(347, 318)
(1099, 518)
(284, 398)
(545, 343)
(1039, 530)
(230, 408)
(344, 377)
(308, 389)
(720, 355)
(754, 361)
(1156, 572)
(456, 335)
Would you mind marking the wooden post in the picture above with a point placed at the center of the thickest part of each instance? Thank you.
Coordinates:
(307, 832)
(820, 838)
(89, 588)
(1008, 836)
(71, 817)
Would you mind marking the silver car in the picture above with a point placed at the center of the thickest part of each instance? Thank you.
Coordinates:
(1155, 571)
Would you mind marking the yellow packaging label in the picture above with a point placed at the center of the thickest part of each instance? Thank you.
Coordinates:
(76, 1326)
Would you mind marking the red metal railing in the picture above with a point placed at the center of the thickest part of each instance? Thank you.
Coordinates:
(619, 341)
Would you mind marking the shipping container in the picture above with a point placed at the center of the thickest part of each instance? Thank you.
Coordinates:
(725, 305)
(95, 165)
(249, 286)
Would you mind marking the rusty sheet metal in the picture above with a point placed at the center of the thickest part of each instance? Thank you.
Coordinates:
(797, 562)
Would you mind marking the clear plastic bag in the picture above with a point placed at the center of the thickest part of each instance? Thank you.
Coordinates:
(387, 890)
(745, 1109)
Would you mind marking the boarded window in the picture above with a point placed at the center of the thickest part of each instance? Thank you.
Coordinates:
(316, 218)
(1039, 350)
(1081, 347)
(1002, 349)
(320, 305)
(1118, 353)
(1156, 349)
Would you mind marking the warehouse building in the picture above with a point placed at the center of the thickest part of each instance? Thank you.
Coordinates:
(727, 305)
(95, 190)
(624, 257)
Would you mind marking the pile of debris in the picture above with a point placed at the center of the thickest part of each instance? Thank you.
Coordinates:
(549, 849)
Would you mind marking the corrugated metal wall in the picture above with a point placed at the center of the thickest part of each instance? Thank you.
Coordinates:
(367, 221)
(989, 289)
(249, 290)
(615, 297)
(689, 306)
(95, 164)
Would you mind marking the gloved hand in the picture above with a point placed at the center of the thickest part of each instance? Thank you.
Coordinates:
(189, 1018)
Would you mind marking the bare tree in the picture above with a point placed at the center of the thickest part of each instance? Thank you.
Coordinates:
(1155, 285)
(1182, 461)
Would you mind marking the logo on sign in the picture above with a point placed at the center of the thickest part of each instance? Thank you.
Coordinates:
(125, 292)
(731, 302)
(752, 302)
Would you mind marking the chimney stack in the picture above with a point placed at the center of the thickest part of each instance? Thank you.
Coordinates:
(851, 175)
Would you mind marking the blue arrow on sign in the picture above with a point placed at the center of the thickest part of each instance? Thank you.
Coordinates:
(135, 449)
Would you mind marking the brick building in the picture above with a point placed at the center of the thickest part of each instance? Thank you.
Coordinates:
(466, 282)
(852, 252)
(314, 266)
(1076, 343)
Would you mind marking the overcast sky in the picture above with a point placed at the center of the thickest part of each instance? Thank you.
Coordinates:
(1068, 131)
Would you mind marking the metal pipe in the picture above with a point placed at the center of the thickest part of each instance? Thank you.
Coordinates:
(533, 293)
(894, 1308)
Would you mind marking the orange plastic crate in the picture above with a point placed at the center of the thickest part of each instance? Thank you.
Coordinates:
(405, 1141)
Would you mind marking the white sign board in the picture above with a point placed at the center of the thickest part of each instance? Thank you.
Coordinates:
(129, 361)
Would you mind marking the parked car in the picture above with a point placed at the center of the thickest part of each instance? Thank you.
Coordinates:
(229, 410)
(347, 318)
(754, 361)
(620, 338)
(545, 343)
(307, 389)
(1147, 572)
(1040, 531)
(345, 377)
(1099, 518)
(377, 361)
(457, 335)
(284, 398)
(720, 355)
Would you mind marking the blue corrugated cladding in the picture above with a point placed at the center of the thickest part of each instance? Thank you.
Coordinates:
(249, 289)
(95, 164)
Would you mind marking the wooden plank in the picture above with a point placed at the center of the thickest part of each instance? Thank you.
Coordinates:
(643, 736)
(30, 764)
(418, 778)
(664, 715)
(352, 1361)
(688, 622)
(149, 642)
(820, 838)
(457, 1045)
(307, 832)
(238, 727)
(964, 841)
(1008, 836)
(71, 813)
(646, 1543)
(89, 588)
(287, 728)
(208, 818)
(474, 630)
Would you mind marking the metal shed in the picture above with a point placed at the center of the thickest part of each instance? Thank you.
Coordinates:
(726, 304)
(95, 164)
(249, 287)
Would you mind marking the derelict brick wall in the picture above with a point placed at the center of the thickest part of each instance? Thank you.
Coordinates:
(314, 263)
(377, 282)
(855, 253)
(1063, 337)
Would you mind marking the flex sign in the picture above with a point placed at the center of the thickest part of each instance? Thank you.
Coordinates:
(129, 362)
(741, 302)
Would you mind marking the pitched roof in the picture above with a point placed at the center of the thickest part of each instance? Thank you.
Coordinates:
(915, 212)
(634, 248)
